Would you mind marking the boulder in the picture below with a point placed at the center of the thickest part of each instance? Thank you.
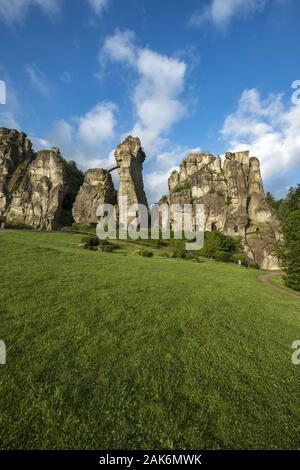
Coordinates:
(97, 189)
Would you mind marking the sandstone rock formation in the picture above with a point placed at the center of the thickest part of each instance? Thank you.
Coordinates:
(129, 157)
(32, 185)
(97, 189)
(233, 198)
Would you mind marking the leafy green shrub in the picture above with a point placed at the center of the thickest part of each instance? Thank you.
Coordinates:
(145, 253)
(224, 256)
(17, 225)
(182, 187)
(108, 248)
(84, 228)
(291, 250)
(228, 200)
(90, 241)
(220, 247)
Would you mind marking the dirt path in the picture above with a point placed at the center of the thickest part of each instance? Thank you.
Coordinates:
(264, 278)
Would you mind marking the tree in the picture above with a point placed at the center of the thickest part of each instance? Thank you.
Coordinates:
(291, 251)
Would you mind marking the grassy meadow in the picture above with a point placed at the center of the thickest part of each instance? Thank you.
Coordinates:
(113, 350)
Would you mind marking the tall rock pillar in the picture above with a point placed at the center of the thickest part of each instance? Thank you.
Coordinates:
(130, 157)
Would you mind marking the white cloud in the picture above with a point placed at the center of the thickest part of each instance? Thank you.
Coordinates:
(221, 12)
(98, 5)
(268, 128)
(98, 124)
(160, 80)
(120, 47)
(86, 139)
(37, 79)
(14, 11)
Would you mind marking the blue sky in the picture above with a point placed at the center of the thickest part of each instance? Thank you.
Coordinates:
(213, 75)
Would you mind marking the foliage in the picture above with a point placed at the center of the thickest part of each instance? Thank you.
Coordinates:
(90, 240)
(219, 246)
(145, 253)
(228, 200)
(17, 225)
(182, 186)
(74, 178)
(291, 251)
(288, 210)
(85, 228)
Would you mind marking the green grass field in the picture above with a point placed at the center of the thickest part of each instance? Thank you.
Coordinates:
(112, 350)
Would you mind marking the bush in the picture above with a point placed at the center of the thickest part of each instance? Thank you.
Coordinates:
(16, 225)
(224, 256)
(182, 187)
(291, 250)
(90, 241)
(220, 247)
(145, 253)
(84, 228)
(108, 248)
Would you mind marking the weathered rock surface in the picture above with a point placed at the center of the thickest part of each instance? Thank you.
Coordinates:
(15, 152)
(234, 200)
(97, 189)
(32, 185)
(129, 157)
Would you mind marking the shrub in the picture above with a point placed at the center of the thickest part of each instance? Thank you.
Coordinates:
(17, 225)
(90, 241)
(224, 256)
(182, 187)
(145, 253)
(108, 248)
(84, 228)
(220, 247)
(291, 250)
(228, 200)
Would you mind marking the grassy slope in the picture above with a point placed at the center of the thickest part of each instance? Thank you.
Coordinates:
(112, 351)
(278, 281)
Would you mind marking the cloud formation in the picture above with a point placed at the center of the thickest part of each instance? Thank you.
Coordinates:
(86, 139)
(156, 94)
(99, 5)
(37, 79)
(221, 12)
(269, 128)
(14, 11)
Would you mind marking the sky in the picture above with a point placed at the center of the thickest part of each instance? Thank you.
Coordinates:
(210, 75)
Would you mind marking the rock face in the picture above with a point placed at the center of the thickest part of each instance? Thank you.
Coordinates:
(129, 157)
(234, 200)
(32, 185)
(15, 151)
(97, 189)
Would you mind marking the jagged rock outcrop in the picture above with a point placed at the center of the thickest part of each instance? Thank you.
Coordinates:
(129, 157)
(32, 185)
(97, 189)
(15, 153)
(233, 198)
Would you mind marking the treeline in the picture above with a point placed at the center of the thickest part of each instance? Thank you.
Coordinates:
(288, 211)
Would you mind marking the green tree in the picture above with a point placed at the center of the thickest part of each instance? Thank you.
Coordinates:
(291, 251)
